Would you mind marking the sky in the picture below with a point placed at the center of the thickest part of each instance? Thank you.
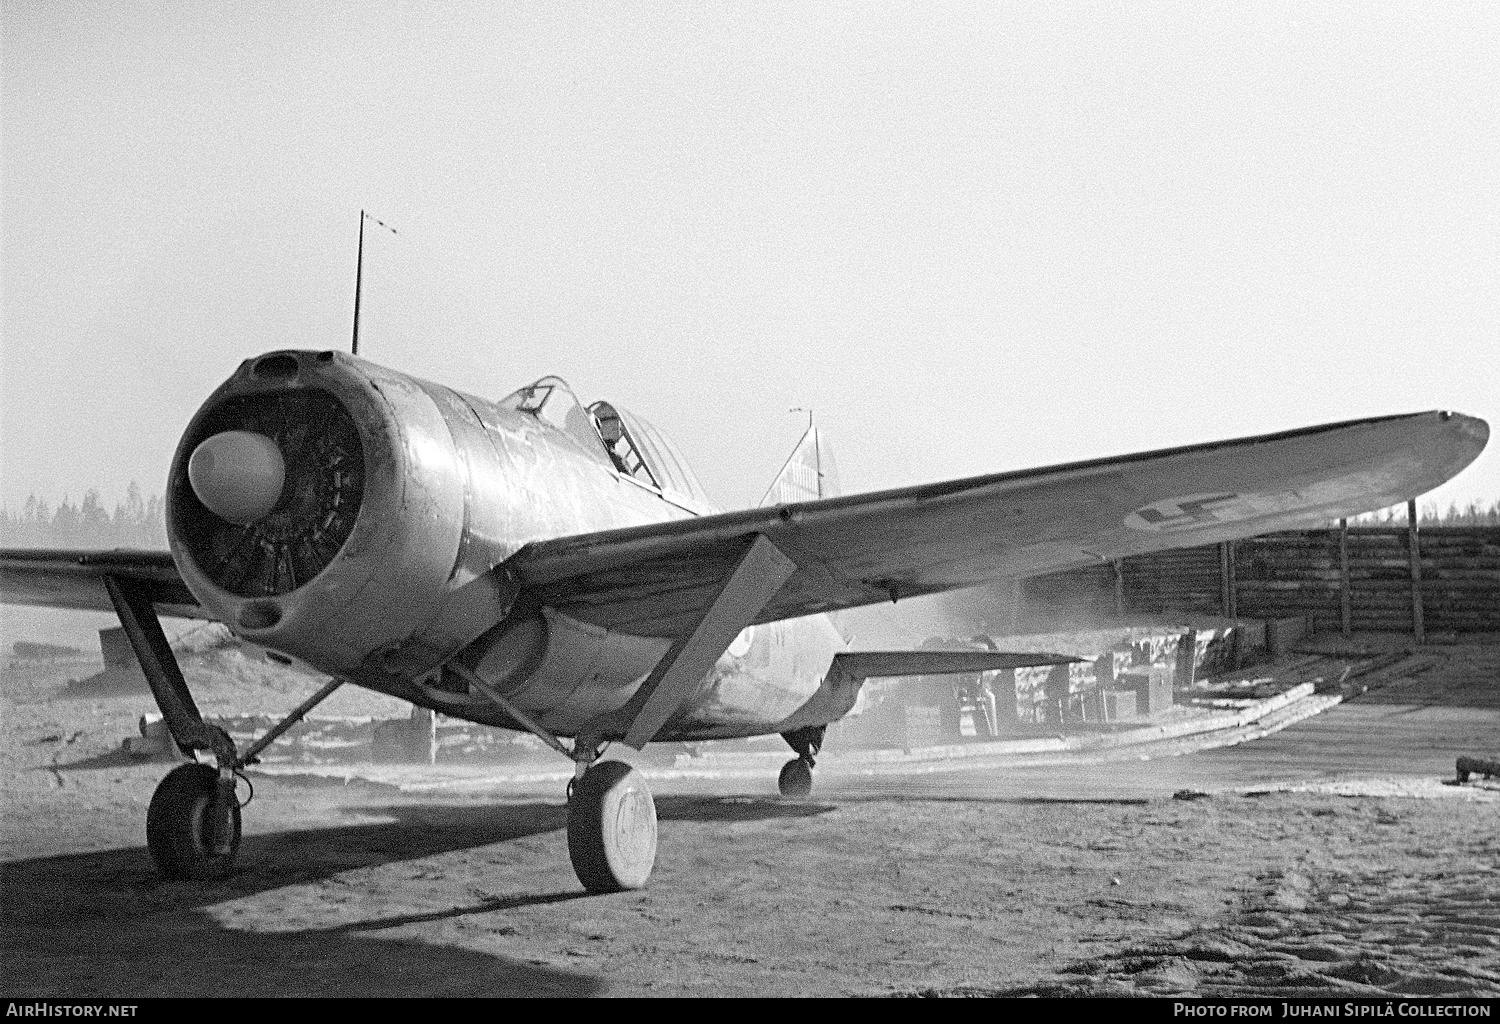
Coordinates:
(972, 238)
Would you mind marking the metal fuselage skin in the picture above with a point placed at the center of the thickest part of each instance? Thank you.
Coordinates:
(453, 485)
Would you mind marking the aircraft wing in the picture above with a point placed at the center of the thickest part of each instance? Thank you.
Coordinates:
(75, 579)
(660, 580)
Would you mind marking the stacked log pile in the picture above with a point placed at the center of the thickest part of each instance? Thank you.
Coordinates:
(1286, 574)
(1299, 574)
(1302, 573)
(1186, 580)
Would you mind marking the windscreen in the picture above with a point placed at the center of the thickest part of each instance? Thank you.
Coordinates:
(552, 402)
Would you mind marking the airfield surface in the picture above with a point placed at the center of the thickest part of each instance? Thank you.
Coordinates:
(1329, 858)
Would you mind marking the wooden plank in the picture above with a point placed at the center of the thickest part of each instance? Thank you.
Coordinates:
(1414, 552)
(1231, 608)
(1224, 598)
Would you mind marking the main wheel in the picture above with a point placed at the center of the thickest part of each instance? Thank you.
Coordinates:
(179, 823)
(796, 778)
(612, 828)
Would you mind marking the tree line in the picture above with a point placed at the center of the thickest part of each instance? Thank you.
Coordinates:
(137, 522)
(1428, 514)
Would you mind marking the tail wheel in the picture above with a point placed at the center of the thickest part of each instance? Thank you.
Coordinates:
(796, 778)
(180, 828)
(612, 828)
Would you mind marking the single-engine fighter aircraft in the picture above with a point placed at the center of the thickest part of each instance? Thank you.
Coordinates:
(536, 564)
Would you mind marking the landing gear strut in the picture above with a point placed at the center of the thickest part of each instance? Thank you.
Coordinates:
(796, 777)
(193, 823)
(611, 816)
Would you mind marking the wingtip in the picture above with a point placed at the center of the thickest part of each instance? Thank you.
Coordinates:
(1472, 427)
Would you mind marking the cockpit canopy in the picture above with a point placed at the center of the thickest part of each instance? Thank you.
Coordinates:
(625, 442)
(552, 402)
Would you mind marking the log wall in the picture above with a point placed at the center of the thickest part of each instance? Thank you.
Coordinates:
(1300, 573)
(1187, 579)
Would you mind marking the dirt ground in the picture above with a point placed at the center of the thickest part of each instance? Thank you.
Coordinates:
(1257, 878)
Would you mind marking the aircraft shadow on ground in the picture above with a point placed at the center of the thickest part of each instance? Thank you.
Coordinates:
(147, 936)
(187, 953)
(739, 808)
(272, 860)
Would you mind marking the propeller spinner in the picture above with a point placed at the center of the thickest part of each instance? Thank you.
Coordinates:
(238, 475)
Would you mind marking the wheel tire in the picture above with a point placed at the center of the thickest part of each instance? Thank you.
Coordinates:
(612, 828)
(176, 825)
(796, 778)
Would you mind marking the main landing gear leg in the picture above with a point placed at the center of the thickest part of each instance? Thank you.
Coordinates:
(193, 823)
(796, 776)
(611, 816)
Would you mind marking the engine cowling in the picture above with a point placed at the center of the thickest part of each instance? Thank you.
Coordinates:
(363, 545)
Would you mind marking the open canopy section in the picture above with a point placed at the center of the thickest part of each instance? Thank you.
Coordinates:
(644, 453)
(552, 402)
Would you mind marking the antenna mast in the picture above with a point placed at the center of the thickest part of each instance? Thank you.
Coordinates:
(359, 273)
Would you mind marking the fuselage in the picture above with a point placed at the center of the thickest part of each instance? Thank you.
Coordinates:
(384, 561)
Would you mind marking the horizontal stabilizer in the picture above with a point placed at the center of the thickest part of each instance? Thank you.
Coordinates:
(871, 664)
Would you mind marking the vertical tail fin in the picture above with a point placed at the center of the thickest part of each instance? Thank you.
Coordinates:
(809, 473)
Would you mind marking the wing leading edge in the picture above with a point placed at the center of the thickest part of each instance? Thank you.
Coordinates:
(75, 579)
(861, 549)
